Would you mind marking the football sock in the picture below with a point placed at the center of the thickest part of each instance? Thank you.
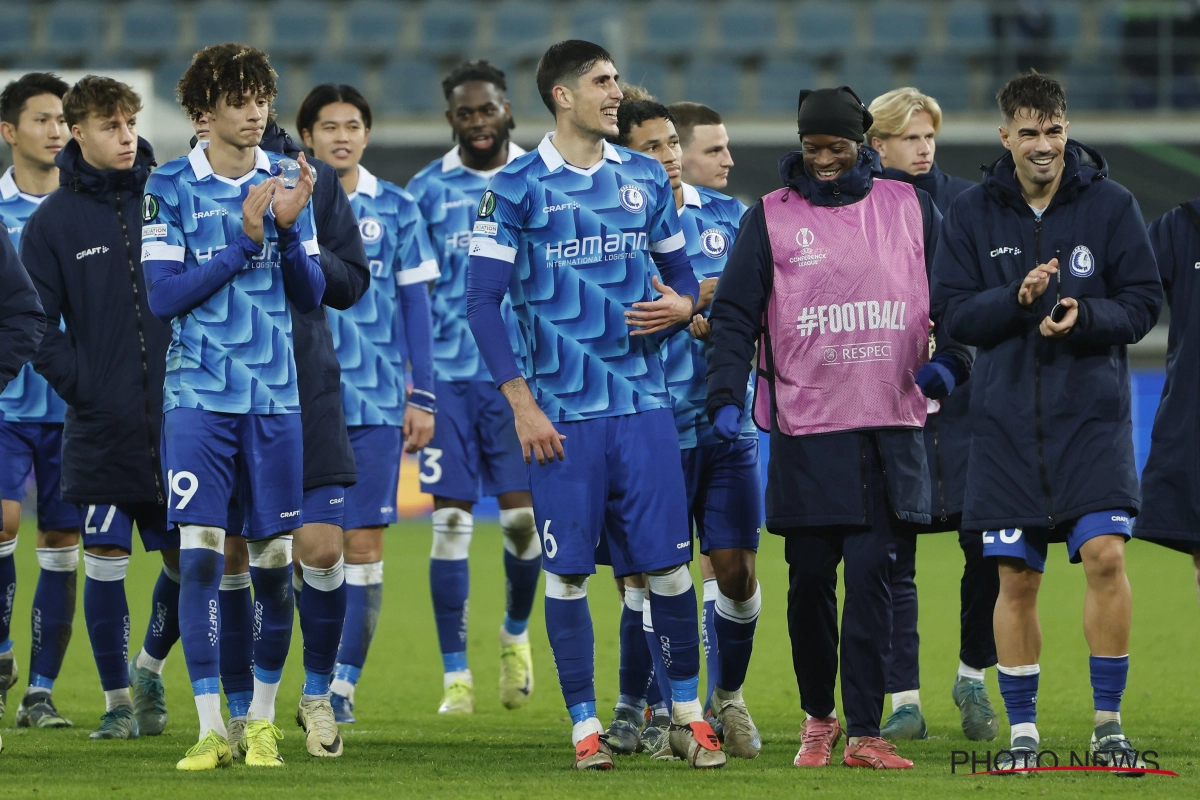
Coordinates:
(449, 582)
(322, 612)
(970, 673)
(8, 590)
(266, 688)
(708, 639)
(569, 628)
(163, 631)
(201, 562)
(364, 598)
(273, 615)
(208, 707)
(673, 612)
(912, 697)
(658, 695)
(522, 567)
(636, 665)
(1019, 687)
(584, 721)
(53, 613)
(107, 615)
(736, 621)
(1109, 674)
(115, 698)
(237, 642)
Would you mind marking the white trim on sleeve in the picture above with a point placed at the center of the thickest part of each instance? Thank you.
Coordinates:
(425, 271)
(670, 244)
(489, 248)
(161, 251)
(311, 248)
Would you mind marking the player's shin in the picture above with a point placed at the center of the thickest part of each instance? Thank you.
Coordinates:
(673, 610)
(163, 629)
(522, 568)
(1019, 688)
(271, 575)
(449, 582)
(322, 613)
(658, 694)
(8, 592)
(636, 665)
(573, 642)
(106, 612)
(364, 599)
(237, 642)
(52, 615)
(201, 562)
(736, 621)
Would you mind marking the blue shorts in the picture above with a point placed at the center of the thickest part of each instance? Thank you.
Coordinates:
(371, 502)
(113, 526)
(474, 442)
(214, 459)
(622, 476)
(36, 446)
(724, 494)
(324, 504)
(1030, 543)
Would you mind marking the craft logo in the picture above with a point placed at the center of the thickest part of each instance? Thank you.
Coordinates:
(1132, 764)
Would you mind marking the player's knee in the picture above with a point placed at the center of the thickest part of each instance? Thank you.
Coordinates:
(363, 545)
(170, 558)
(1104, 558)
(56, 540)
(270, 553)
(58, 559)
(1019, 584)
(201, 537)
(520, 533)
(566, 587)
(106, 567)
(12, 520)
(670, 582)
(237, 557)
(452, 529)
(324, 577)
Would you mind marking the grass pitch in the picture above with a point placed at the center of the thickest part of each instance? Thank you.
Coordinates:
(401, 747)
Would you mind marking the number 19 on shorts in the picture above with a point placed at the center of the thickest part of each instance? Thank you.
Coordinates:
(184, 484)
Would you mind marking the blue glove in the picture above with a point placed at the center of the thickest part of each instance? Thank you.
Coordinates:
(936, 381)
(727, 422)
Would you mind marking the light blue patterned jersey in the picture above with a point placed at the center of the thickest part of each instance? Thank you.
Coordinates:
(369, 336)
(580, 242)
(28, 397)
(449, 194)
(232, 353)
(710, 223)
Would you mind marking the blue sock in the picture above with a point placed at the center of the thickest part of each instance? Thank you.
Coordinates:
(708, 630)
(677, 630)
(8, 590)
(322, 612)
(659, 693)
(521, 588)
(364, 598)
(200, 616)
(1019, 692)
(237, 642)
(735, 623)
(654, 695)
(163, 631)
(636, 664)
(53, 613)
(273, 615)
(449, 582)
(581, 711)
(106, 612)
(1109, 674)
(454, 662)
(573, 642)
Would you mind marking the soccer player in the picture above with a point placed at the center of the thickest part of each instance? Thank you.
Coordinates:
(904, 134)
(840, 392)
(475, 444)
(81, 249)
(705, 143)
(1052, 447)
(31, 419)
(723, 490)
(570, 230)
(374, 339)
(232, 429)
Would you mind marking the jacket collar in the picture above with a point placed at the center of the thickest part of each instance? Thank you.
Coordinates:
(852, 186)
(554, 160)
(928, 181)
(1082, 166)
(202, 169)
(453, 160)
(81, 176)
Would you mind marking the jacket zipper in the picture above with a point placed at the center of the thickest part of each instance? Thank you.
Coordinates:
(937, 465)
(1037, 391)
(137, 313)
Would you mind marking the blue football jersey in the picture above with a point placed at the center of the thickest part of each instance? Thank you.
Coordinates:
(449, 194)
(369, 336)
(580, 242)
(710, 223)
(28, 397)
(233, 352)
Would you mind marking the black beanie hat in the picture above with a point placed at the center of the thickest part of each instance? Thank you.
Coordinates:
(833, 112)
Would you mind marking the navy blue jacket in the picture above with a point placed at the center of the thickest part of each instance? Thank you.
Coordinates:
(1052, 437)
(22, 320)
(948, 432)
(1171, 479)
(82, 247)
(811, 480)
(328, 458)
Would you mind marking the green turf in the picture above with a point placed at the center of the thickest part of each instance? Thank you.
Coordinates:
(401, 746)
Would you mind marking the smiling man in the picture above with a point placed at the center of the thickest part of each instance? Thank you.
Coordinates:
(571, 230)
(1047, 269)
(836, 263)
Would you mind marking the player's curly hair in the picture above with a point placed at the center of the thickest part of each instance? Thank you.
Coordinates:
(227, 70)
(632, 113)
(469, 71)
(1035, 92)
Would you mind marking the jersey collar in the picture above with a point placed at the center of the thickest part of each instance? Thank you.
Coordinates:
(691, 197)
(9, 189)
(553, 159)
(368, 184)
(453, 160)
(202, 169)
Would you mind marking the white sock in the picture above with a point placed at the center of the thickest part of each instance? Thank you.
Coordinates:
(832, 715)
(1024, 729)
(585, 728)
(686, 712)
(208, 707)
(910, 698)
(343, 687)
(509, 638)
(262, 706)
(146, 661)
(969, 673)
(722, 696)
(460, 675)
(1106, 716)
(117, 697)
